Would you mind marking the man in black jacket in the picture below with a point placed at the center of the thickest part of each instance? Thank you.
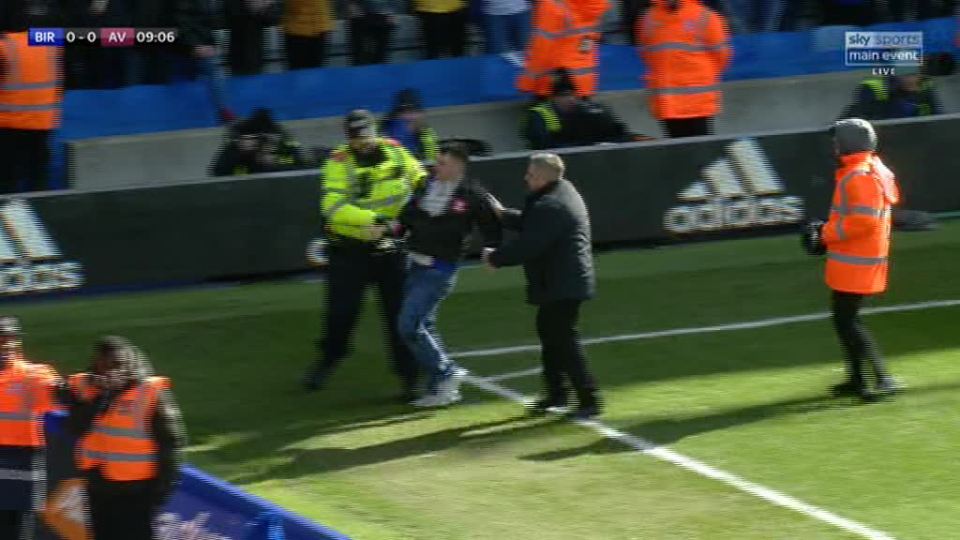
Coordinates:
(258, 144)
(125, 494)
(440, 218)
(554, 247)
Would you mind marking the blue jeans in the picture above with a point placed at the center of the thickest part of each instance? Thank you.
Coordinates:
(424, 290)
(505, 33)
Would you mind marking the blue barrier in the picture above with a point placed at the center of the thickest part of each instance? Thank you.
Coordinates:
(333, 91)
(203, 507)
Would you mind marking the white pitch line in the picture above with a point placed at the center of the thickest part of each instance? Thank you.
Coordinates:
(514, 375)
(665, 454)
(763, 323)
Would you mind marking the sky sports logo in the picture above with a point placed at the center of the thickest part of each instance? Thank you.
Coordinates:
(883, 49)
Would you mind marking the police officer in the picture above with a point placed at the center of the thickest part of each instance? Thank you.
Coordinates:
(908, 94)
(856, 241)
(131, 438)
(366, 183)
(27, 392)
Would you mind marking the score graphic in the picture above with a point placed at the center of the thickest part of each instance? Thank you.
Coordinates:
(101, 37)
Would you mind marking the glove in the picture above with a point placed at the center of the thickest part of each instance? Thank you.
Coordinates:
(395, 229)
(812, 238)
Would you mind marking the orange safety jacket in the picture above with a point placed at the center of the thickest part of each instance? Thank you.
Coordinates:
(857, 234)
(31, 84)
(686, 52)
(561, 39)
(120, 442)
(26, 394)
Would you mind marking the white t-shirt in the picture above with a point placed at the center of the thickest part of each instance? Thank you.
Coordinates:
(505, 7)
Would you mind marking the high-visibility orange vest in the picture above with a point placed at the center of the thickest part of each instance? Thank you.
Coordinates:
(25, 395)
(686, 52)
(120, 442)
(31, 87)
(857, 235)
(561, 40)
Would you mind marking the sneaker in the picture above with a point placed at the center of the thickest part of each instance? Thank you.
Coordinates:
(451, 385)
(889, 386)
(437, 400)
(547, 405)
(585, 412)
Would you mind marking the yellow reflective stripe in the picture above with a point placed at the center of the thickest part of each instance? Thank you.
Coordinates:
(860, 211)
(685, 90)
(843, 199)
(381, 203)
(130, 433)
(878, 87)
(20, 475)
(549, 117)
(685, 47)
(15, 416)
(116, 456)
(856, 259)
(22, 108)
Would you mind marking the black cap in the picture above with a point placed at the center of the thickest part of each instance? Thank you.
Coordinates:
(360, 123)
(9, 326)
(562, 82)
(407, 99)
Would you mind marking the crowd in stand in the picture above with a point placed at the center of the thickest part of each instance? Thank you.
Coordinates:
(369, 25)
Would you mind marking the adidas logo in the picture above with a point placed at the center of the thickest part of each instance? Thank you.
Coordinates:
(29, 258)
(739, 191)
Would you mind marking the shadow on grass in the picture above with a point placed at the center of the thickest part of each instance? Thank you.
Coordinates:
(297, 462)
(663, 432)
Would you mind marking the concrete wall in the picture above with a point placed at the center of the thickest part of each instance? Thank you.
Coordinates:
(750, 106)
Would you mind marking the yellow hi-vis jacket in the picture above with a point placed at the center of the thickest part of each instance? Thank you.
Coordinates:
(354, 196)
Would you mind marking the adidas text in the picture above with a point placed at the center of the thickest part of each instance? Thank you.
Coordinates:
(739, 191)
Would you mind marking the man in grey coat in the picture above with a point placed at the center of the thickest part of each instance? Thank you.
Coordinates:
(554, 247)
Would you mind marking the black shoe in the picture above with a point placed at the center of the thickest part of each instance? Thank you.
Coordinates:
(408, 396)
(545, 405)
(315, 377)
(585, 412)
(847, 389)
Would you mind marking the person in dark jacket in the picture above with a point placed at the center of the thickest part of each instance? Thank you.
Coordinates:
(195, 22)
(566, 120)
(259, 145)
(440, 219)
(554, 246)
(120, 384)
(406, 123)
(908, 94)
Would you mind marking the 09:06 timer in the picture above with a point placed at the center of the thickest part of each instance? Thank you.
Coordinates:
(164, 35)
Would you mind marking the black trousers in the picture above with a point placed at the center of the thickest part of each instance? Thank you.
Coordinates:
(349, 273)
(858, 345)
(562, 353)
(369, 39)
(123, 514)
(305, 52)
(444, 34)
(17, 524)
(24, 157)
(246, 45)
(688, 127)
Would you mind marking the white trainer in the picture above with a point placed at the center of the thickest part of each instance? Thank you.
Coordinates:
(437, 400)
(451, 385)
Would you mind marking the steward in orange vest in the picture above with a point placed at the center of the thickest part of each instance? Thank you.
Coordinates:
(857, 244)
(27, 392)
(31, 92)
(566, 34)
(130, 440)
(686, 47)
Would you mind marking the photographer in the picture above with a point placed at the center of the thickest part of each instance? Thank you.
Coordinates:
(259, 145)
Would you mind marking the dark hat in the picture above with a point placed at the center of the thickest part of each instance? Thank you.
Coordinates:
(562, 82)
(9, 326)
(407, 99)
(360, 123)
(854, 135)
